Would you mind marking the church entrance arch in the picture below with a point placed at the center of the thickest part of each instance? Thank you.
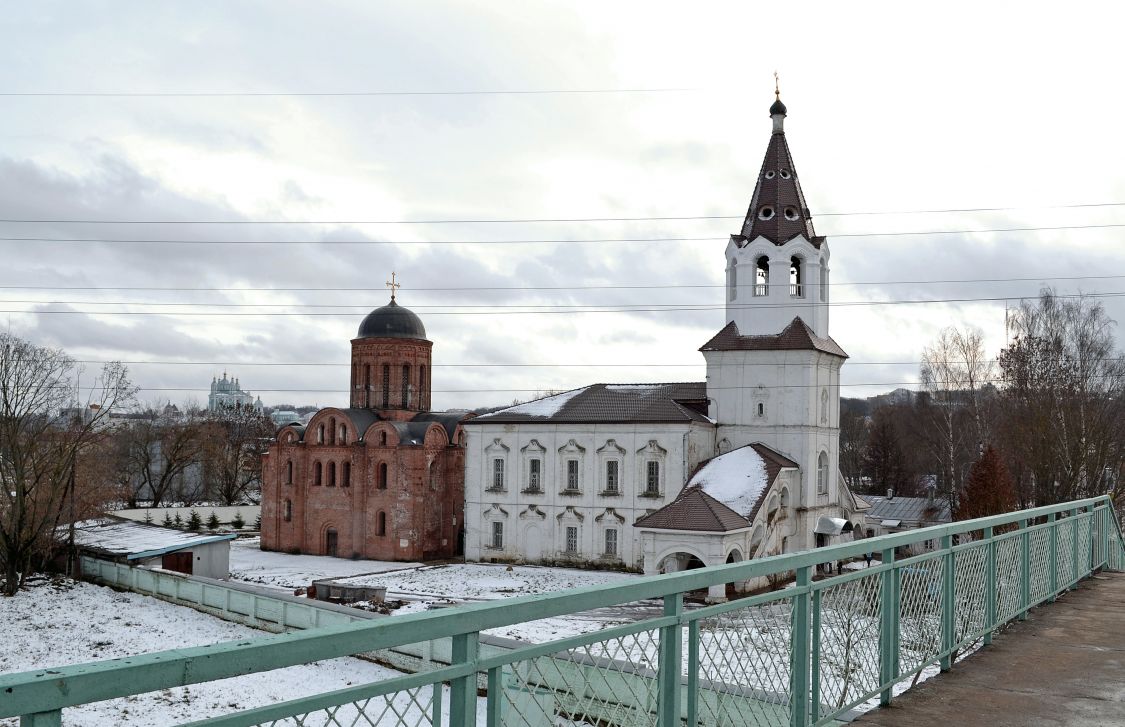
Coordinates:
(331, 542)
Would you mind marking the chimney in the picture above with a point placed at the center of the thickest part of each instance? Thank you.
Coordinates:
(890, 494)
(931, 493)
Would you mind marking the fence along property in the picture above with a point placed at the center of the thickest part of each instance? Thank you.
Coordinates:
(805, 655)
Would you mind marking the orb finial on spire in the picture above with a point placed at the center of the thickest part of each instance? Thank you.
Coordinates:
(393, 285)
(777, 110)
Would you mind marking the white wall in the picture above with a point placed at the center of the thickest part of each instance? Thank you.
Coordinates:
(765, 315)
(532, 537)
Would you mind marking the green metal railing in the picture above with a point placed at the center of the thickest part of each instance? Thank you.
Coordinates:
(803, 655)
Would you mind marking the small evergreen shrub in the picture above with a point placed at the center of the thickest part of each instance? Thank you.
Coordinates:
(148, 517)
(178, 521)
(237, 522)
(194, 521)
(168, 523)
(213, 521)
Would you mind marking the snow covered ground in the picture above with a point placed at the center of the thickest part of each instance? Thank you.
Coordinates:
(62, 623)
(248, 562)
(435, 586)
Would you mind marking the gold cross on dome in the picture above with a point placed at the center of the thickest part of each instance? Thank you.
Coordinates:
(393, 285)
(776, 86)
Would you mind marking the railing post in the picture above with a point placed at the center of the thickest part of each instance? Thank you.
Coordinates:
(1074, 573)
(463, 690)
(888, 628)
(692, 707)
(814, 676)
(799, 657)
(670, 665)
(495, 698)
(1025, 570)
(990, 586)
(1053, 573)
(948, 602)
(42, 719)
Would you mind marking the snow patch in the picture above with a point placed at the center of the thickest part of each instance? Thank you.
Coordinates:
(736, 479)
(547, 407)
(632, 387)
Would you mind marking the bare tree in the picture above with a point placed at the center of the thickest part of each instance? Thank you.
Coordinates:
(234, 441)
(954, 370)
(158, 446)
(45, 431)
(1064, 401)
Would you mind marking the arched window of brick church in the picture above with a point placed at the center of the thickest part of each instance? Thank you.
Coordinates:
(822, 473)
(289, 472)
(762, 276)
(386, 385)
(346, 475)
(383, 439)
(405, 385)
(381, 523)
(331, 474)
(332, 431)
(288, 512)
(367, 376)
(421, 382)
(320, 434)
(382, 484)
(343, 434)
(796, 277)
(318, 471)
(434, 475)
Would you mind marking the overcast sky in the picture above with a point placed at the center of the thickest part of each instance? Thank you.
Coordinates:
(891, 108)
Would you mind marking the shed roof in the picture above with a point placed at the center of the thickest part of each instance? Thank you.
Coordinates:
(137, 540)
(611, 403)
(908, 509)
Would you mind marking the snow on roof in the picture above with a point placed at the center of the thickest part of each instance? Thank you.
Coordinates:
(546, 407)
(628, 387)
(136, 540)
(736, 479)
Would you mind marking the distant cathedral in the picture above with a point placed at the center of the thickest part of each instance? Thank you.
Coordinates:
(228, 394)
(383, 478)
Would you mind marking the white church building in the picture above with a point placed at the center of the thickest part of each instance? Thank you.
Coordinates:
(663, 477)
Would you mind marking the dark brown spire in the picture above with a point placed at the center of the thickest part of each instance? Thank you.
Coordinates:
(777, 210)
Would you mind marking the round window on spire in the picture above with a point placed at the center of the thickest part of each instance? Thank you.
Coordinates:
(784, 174)
(765, 213)
(770, 174)
(791, 213)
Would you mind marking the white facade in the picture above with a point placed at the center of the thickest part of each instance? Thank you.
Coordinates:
(763, 292)
(566, 515)
(788, 400)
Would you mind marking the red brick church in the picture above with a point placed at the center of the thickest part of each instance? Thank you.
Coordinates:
(383, 479)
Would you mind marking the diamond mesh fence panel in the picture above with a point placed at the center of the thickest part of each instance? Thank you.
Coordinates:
(920, 589)
(744, 666)
(610, 682)
(1085, 543)
(1064, 534)
(849, 640)
(1040, 569)
(406, 708)
(968, 594)
(1009, 575)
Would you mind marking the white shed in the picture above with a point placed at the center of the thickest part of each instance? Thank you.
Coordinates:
(156, 547)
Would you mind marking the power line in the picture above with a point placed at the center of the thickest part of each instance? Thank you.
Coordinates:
(542, 241)
(340, 94)
(545, 310)
(531, 220)
(564, 389)
(295, 364)
(382, 289)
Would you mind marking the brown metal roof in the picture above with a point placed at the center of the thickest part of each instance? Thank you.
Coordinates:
(778, 190)
(609, 403)
(797, 336)
(694, 509)
(775, 462)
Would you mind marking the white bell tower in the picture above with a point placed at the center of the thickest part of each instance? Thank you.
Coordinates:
(773, 372)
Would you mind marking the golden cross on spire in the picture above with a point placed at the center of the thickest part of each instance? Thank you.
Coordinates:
(393, 285)
(776, 86)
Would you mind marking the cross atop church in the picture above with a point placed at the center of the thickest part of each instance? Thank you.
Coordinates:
(776, 86)
(393, 285)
